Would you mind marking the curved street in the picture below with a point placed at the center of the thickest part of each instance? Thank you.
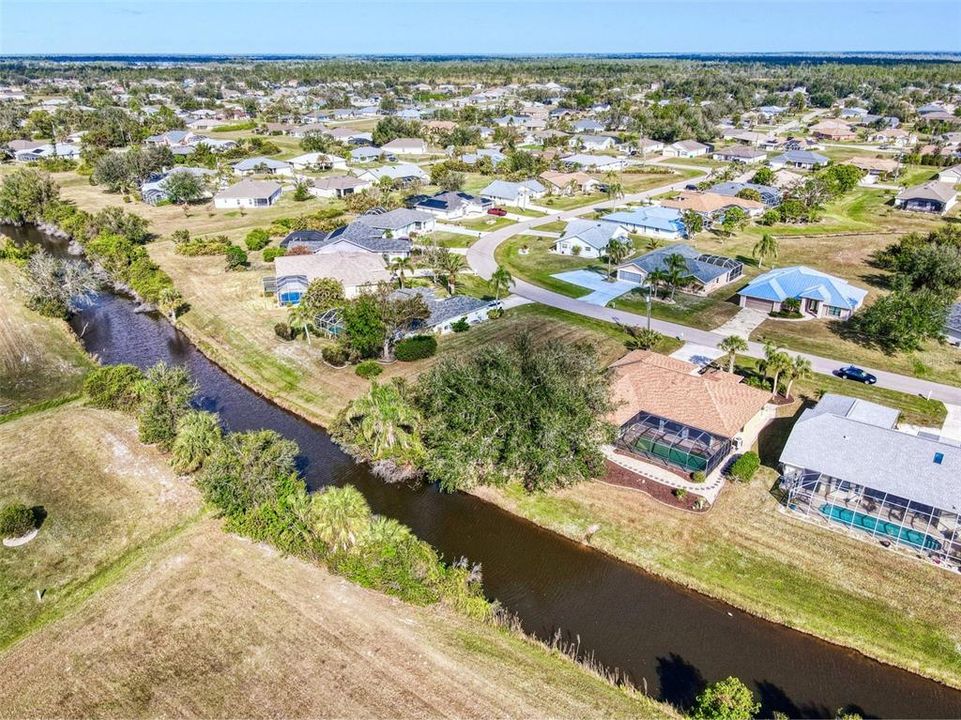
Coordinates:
(480, 257)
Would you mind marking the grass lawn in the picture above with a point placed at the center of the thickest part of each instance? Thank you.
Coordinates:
(41, 359)
(106, 497)
(487, 223)
(569, 202)
(213, 625)
(557, 226)
(539, 265)
(451, 240)
(705, 313)
(526, 212)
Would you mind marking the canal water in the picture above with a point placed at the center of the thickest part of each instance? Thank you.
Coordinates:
(662, 637)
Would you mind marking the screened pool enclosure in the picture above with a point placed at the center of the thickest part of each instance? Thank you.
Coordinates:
(868, 513)
(672, 444)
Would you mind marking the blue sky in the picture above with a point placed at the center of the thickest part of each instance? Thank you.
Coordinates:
(471, 26)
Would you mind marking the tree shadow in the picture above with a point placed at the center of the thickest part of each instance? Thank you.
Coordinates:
(773, 436)
(39, 515)
(774, 699)
(680, 681)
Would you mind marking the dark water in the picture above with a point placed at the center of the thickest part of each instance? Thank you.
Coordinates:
(663, 637)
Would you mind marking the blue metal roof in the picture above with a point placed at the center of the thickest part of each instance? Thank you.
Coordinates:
(803, 282)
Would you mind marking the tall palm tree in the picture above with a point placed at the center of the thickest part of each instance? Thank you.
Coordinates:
(800, 369)
(384, 423)
(169, 303)
(775, 362)
(198, 433)
(766, 247)
(677, 272)
(501, 281)
(616, 251)
(732, 345)
(302, 316)
(451, 264)
(339, 516)
(401, 265)
(655, 278)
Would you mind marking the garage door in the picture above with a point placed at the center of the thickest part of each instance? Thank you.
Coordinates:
(629, 276)
(755, 304)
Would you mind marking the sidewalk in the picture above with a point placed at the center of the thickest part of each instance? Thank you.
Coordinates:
(709, 489)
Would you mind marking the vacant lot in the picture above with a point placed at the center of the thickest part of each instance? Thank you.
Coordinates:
(105, 497)
(40, 358)
(210, 625)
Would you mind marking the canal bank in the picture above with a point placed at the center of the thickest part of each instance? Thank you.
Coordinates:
(662, 637)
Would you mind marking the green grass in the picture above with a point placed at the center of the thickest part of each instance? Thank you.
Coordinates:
(570, 202)
(705, 313)
(539, 265)
(451, 240)
(557, 226)
(487, 223)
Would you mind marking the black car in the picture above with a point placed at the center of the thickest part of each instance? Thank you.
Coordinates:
(855, 373)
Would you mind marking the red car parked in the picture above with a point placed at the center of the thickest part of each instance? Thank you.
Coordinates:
(499, 212)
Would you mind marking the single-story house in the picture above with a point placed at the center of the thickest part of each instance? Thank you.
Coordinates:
(597, 163)
(847, 467)
(366, 153)
(337, 186)
(895, 137)
(495, 156)
(711, 204)
(647, 146)
(248, 194)
(48, 150)
(821, 295)
(707, 272)
(357, 271)
(877, 167)
(587, 126)
(740, 154)
(770, 196)
(352, 238)
(592, 143)
(318, 161)
(686, 149)
(154, 189)
(444, 312)
(769, 112)
(653, 221)
(951, 175)
(403, 173)
(932, 197)
(513, 193)
(589, 238)
(670, 413)
(565, 183)
(804, 159)
(833, 130)
(262, 165)
(405, 146)
(453, 205)
(400, 222)
(350, 135)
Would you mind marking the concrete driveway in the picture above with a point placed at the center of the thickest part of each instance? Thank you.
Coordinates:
(603, 291)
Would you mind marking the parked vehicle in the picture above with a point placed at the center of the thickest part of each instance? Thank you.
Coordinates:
(855, 373)
(499, 212)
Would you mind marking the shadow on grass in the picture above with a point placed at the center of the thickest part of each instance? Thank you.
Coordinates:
(773, 437)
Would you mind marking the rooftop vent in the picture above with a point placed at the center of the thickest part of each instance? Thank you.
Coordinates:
(938, 458)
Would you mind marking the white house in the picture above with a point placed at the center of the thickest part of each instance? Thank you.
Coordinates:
(513, 193)
(262, 165)
(653, 221)
(318, 161)
(337, 186)
(41, 152)
(592, 143)
(453, 205)
(401, 173)
(951, 175)
(356, 271)
(596, 163)
(686, 149)
(588, 238)
(248, 194)
(405, 146)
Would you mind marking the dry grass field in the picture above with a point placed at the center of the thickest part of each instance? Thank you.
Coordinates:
(40, 358)
(211, 625)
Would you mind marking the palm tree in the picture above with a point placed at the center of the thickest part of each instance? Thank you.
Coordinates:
(655, 278)
(301, 315)
(500, 282)
(775, 362)
(451, 264)
(385, 531)
(766, 247)
(677, 273)
(732, 345)
(384, 423)
(399, 266)
(616, 251)
(800, 369)
(198, 433)
(339, 516)
(169, 302)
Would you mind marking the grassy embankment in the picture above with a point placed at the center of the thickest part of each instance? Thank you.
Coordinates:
(153, 610)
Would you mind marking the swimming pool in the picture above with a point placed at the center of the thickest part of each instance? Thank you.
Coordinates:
(871, 524)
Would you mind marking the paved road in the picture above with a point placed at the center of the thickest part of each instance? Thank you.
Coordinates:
(480, 257)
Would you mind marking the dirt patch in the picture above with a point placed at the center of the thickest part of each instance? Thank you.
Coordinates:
(622, 477)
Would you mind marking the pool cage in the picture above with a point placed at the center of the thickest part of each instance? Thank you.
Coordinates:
(867, 513)
(330, 322)
(290, 288)
(736, 267)
(672, 444)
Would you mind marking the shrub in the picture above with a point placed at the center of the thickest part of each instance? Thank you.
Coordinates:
(196, 247)
(114, 387)
(236, 258)
(417, 347)
(284, 331)
(335, 355)
(770, 217)
(698, 476)
(679, 493)
(272, 253)
(180, 236)
(16, 520)
(745, 466)
(257, 239)
(369, 369)
(495, 313)
(461, 325)
(198, 434)
(165, 395)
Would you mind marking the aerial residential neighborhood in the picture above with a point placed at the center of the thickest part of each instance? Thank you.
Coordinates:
(539, 360)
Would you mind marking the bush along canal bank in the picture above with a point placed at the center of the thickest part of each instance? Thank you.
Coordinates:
(659, 636)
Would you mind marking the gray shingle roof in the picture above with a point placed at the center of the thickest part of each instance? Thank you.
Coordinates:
(443, 309)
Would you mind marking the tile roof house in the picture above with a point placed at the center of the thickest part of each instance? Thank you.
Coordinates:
(821, 295)
(845, 465)
(589, 238)
(711, 204)
(669, 412)
(248, 194)
(654, 221)
(932, 197)
(564, 183)
(707, 271)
